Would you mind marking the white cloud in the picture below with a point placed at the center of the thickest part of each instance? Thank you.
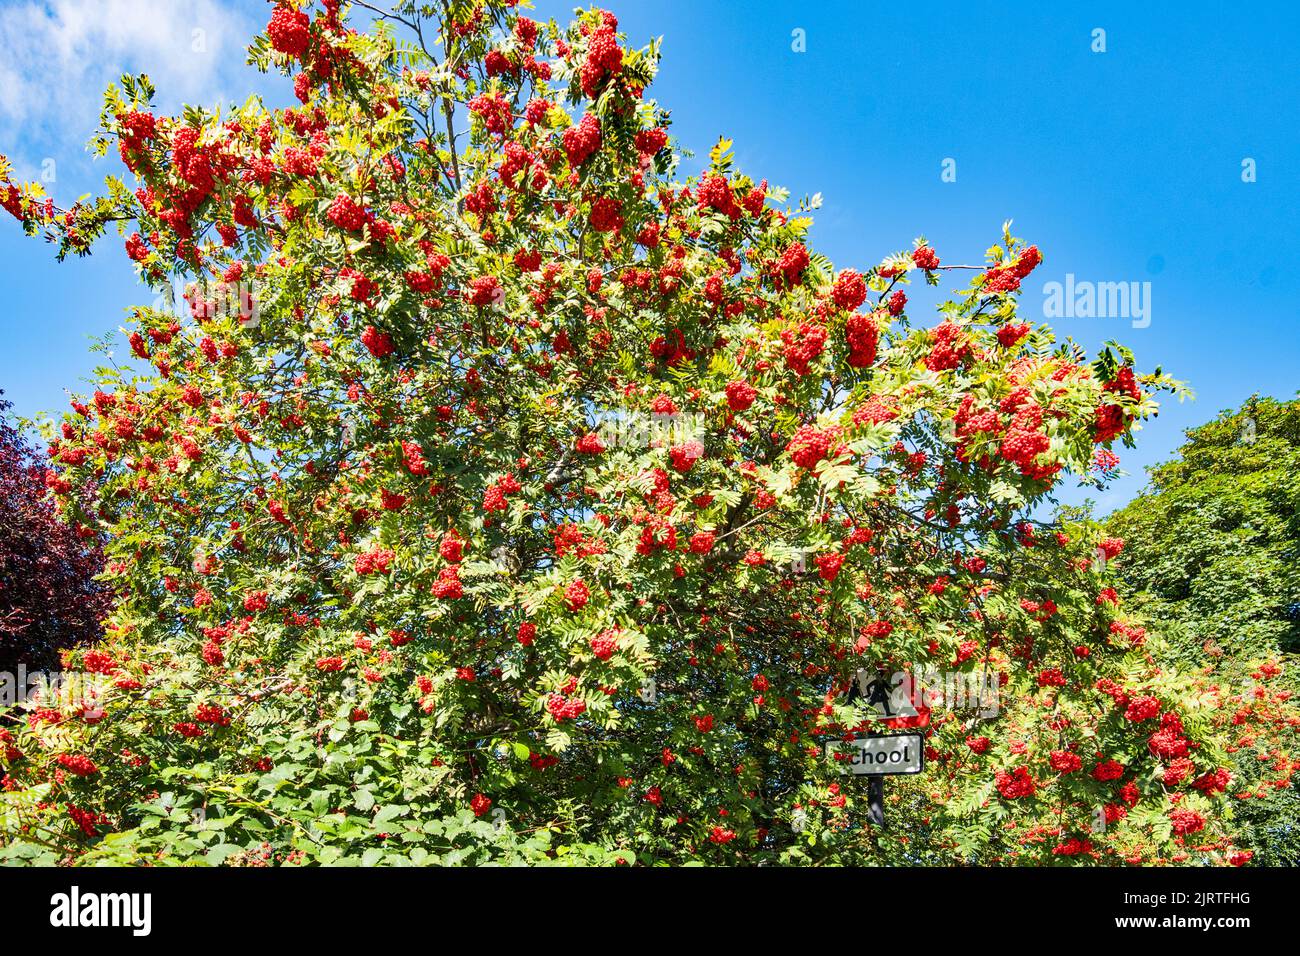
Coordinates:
(57, 56)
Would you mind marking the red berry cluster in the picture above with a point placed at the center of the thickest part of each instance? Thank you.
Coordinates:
(863, 338)
(581, 141)
(78, 764)
(346, 214)
(604, 56)
(809, 445)
(289, 31)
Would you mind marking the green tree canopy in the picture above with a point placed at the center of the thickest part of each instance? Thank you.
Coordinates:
(1214, 543)
(1212, 563)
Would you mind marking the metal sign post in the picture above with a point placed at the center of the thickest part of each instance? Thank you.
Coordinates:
(876, 800)
(881, 755)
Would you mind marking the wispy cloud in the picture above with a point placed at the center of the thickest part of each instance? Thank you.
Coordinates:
(57, 56)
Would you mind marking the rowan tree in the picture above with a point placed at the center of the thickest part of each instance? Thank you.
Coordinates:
(509, 494)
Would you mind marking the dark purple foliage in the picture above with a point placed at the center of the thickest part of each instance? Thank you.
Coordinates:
(48, 596)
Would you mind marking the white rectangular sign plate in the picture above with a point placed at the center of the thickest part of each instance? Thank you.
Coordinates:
(890, 754)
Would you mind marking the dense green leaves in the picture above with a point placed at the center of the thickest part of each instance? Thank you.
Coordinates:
(1213, 561)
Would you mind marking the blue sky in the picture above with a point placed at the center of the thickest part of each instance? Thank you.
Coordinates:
(1122, 166)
